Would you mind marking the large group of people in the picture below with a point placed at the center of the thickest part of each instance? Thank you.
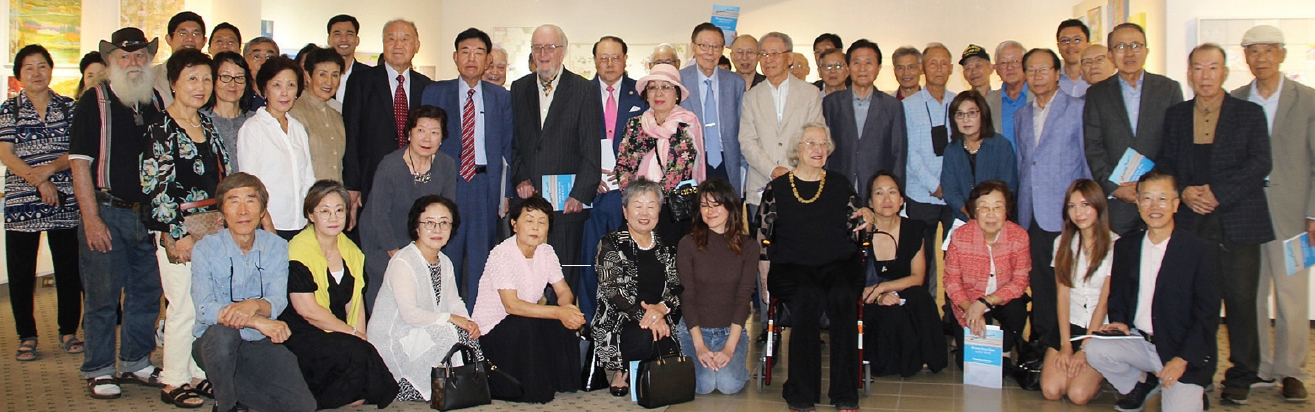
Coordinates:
(324, 231)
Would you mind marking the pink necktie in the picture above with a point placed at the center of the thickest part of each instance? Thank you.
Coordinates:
(399, 111)
(468, 137)
(609, 114)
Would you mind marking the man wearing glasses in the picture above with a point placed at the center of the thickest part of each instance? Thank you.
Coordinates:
(186, 31)
(1122, 112)
(1096, 65)
(744, 53)
(1071, 38)
(716, 96)
(239, 287)
(1014, 94)
(257, 51)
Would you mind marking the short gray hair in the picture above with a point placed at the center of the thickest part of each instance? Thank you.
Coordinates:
(936, 45)
(561, 34)
(1007, 43)
(638, 187)
(792, 153)
(384, 32)
(906, 51)
(499, 49)
(259, 40)
(789, 44)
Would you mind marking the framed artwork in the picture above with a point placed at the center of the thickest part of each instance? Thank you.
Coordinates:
(55, 24)
(1094, 20)
(152, 16)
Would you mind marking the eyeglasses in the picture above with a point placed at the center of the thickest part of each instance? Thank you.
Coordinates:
(814, 145)
(830, 67)
(708, 47)
(544, 48)
(328, 213)
(1155, 201)
(609, 58)
(798, 65)
(664, 61)
(229, 79)
(1013, 64)
(232, 286)
(1129, 47)
(193, 33)
(770, 55)
(431, 225)
(744, 53)
(967, 115)
(663, 88)
(1072, 40)
(990, 210)
(261, 56)
(1038, 70)
(1088, 62)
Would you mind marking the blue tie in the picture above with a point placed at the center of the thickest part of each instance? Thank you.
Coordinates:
(711, 136)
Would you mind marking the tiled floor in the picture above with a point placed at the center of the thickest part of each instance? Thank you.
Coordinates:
(52, 384)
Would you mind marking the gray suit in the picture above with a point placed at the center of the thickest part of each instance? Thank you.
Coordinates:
(1108, 133)
(1291, 196)
(730, 95)
(881, 145)
(763, 140)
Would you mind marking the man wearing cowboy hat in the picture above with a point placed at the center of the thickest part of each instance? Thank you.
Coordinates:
(118, 255)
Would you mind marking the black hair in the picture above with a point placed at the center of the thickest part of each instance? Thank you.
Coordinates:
(319, 55)
(723, 61)
(985, 188)
(301, 54)
(1157, 175)
(643, 94)
(276, 65)
(872, 182)
(1086, 32)
(473, 33)
(535, 202)
(186, 16)
(226, 26)
(1109, 38)
(185, 58)
(987, 129)
(1054, 63)
(244, 102)
(833, 38)
(706, 26)
(863, 44)
(427, 112)
(356, 25)
(413, 216)
(624, 48)
(88, 59)
(29, 50)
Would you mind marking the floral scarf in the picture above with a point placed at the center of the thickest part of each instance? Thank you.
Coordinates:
(672, 151)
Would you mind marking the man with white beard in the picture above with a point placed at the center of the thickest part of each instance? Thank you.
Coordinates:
(116, 252)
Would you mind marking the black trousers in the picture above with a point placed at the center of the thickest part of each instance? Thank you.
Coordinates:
(1011, 316)
(932, 215)
(1045, 315)
(566, 236)
(637, 343)
(810, 291)
(1238, 277)
(21, 250)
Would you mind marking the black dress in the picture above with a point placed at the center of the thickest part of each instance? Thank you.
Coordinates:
(339, 368)
(899, 339)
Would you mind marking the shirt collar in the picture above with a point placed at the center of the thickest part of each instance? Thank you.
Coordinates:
(392, 74)
(703, 78)
(1141, 78)
(1254, 92)
(464, 88)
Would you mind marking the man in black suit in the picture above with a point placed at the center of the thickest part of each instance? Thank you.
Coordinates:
(1162, 292)
(375, 107)
(342, 39)
(555, 121)
(866, 124)
(1126, 111)
(1218, 147)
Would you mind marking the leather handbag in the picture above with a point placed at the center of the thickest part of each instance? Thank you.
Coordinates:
(458, 387)
(198, 225)
(666, 380)
(683, 201)
(1031, 357)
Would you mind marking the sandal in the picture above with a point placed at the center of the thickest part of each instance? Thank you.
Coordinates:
(72, 344)
(93, 383)
(152, 380)
(205, 389)
(27, 350)
(180, 396)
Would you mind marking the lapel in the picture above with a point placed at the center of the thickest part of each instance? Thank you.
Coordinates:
(792, 100)
(695, 85)
(1058, 105)
(1120, 106)
(490, 142)
(1164, 280)
(1147, 85)
(559, 98)
(1222, 146)
(1287, 101)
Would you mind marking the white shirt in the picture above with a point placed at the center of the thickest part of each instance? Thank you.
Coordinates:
(342, 83)
(779, 96)
(545, 99)
(1152, 255)
(392, 83)
(281, 161)
(1084, 296)
(481, 157)
(991, 283)
(1039, 117)
(1271, 104)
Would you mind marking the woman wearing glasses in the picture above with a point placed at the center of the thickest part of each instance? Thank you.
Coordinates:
(326, 280)
(987, 266)
(976, 153)
(403, 176)
(664, 145)
(230, 104)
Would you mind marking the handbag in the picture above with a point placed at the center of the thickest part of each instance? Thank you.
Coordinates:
(1031, 357)
(458, 387)
(665, 380)
(198, 226)
(682, 201)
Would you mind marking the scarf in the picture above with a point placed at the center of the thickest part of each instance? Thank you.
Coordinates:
(657, 164)
(305, 248)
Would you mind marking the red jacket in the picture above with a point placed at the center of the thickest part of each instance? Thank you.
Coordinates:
(968, 266)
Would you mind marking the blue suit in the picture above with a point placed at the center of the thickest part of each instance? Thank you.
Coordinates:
(730, 96)
(1046, 169)
(606, 215)
(477, 199)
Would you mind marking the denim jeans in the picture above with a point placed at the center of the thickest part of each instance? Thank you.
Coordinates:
(728, 380)
(129, 270)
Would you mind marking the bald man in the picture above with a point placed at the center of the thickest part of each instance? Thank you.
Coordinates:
(1096, 65)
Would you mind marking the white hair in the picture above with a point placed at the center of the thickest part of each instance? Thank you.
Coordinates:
(561, 35)
(785, 38)
(792, 153)
(1007, 43)
(384, 32)
(129, 89)
(936, 45)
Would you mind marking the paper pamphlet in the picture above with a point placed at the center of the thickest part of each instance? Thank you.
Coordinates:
(1298, 254)
(1131, 167)
(983, 357)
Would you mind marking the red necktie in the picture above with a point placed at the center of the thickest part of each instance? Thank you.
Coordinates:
(468, 136)
(399, 111)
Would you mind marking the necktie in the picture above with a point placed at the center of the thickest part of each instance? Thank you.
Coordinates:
(399, 111)
(609, 113)
(468, 136)
(711, 132)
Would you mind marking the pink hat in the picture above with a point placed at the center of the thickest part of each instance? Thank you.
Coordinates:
(663, 72)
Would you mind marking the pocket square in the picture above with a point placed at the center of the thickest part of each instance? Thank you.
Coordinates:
(634, 109)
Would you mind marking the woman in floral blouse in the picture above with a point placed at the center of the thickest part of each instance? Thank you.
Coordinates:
(179, 175)
(664, 145)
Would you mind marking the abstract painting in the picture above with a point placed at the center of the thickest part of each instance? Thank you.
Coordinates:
(55, 24)
(152, 16)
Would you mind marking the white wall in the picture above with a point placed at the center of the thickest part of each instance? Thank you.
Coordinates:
(298, 22)
(1181, 28)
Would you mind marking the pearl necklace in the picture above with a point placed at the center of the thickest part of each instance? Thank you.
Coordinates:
(651, 242)
(821, 184)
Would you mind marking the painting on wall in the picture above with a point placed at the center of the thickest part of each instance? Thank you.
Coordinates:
(55, 24)
(1118, 10)
(62, 81)
(152, 16)
(1094, 19)
(1299, 34)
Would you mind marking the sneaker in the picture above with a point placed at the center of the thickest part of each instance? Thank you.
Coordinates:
(1135, 400)
(1234, 395)
(1264, 383)
(1293, 390)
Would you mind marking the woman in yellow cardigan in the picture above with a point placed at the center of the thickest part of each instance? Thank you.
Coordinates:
(325, 284)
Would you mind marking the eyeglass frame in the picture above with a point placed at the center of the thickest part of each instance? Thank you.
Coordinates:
(239, 79)
(232, 271)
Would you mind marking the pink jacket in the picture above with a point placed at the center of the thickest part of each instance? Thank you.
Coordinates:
(968, 265)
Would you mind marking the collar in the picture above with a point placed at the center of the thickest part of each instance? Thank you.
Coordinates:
(392, 74)
(703, 78)
(1141, 78)
(463, 87)
(1207, 108)
(1254, 92)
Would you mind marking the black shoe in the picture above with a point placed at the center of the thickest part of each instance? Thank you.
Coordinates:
(1135, 400)
(1234, 395)
(621, 391)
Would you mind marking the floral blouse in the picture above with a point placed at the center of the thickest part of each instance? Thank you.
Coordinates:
(635, 143)
(37, 142)
(178, 170)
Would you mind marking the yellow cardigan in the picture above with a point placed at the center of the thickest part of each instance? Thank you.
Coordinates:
(305, 248)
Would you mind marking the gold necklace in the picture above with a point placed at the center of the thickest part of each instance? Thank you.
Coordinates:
(821, 184)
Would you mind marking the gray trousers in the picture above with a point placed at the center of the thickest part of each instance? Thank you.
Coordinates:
(1283, 355)
(1123, 362)
(260, 375)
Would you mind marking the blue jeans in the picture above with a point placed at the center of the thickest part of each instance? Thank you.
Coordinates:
(129, 270)
(728, 380)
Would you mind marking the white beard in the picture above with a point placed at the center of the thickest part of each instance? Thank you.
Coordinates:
(129, 90)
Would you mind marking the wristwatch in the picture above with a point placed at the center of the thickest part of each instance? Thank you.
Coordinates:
(988, 304)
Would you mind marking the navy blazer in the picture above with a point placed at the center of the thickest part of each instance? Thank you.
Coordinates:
(1185, 309)
(995, 161)
(1046, 169)
(730, 103)
(628, 104)
(881, 145)
(1239, 162)
(497, 128)
(367, 113)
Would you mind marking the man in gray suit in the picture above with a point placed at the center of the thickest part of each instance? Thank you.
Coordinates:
(1014, 94)
(866, 124)
(1126, 111)
(1290, 111)
(715, 97)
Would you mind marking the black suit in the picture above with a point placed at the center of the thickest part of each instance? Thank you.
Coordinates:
(567, 142)
(367, 112)
(881, 145)
(1185, 309)
(1239, 161)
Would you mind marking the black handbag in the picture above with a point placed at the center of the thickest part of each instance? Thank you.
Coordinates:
(1027, 372)
(459, 387)
(666, 380)
(683, 201)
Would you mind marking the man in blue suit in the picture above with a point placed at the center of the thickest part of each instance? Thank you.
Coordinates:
(620, 103)
(1051, 156)
(479, 137)
(712, 87)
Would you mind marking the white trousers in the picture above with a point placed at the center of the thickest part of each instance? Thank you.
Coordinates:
(180, 320)
(1123, 362)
